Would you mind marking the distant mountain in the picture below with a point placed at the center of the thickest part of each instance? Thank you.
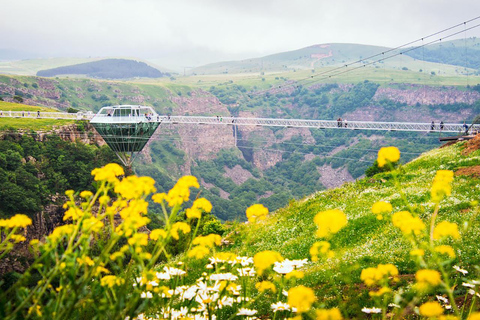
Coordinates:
(107, 69)
(464, 53)
(315, 56)
(456, 52)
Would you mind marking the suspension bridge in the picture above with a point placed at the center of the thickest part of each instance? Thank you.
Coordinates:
(127, 129)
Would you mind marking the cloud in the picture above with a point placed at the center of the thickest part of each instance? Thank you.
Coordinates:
(153, 28)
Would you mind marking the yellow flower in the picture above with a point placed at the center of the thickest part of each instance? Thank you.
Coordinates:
(256, 212)
(387, 154)
(207, 241)
(263, 260)
(193, 213)
(86, 194)
(202, 204)
(328, 314)
(182, 226)
(111, 281)
(17, 221)
(372, 276)
(417, 252)
(474, 316)
(431, 309)
(301, 298)
(407, 223)
(109, 172)
(330, 222)
(180, 193)
(134, 187)
(140, 239)
(295, 274)
(445, 229)
(380, 292)
(104, 200)
(381, 207)
(445, 249)
(18, 238)
(60, 232)
(114, 256)
(92, 224)
(198, 252)
(442, 185)
(159, 197)
(158, 233)
(85, 260)
(265, 285)
(321, 248)
(427, 278)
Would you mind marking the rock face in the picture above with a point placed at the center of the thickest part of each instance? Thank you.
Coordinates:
(412, 94)
(332, 178)
(237, 174)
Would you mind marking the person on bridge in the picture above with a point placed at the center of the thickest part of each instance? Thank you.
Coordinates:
(465, 126)
(345, 121)
(432, 126)
(441, 125)
(339, 122)
(38, 113)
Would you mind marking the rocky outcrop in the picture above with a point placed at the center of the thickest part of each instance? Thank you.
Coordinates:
(411, 94)
(332, 178)
(237, 174)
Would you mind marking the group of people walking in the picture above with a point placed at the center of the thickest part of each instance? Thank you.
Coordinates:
(341, 123)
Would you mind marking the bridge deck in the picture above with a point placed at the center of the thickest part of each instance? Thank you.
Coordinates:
(294, 123)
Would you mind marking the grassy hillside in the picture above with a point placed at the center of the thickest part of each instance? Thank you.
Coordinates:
(366, 241)
(27, 124)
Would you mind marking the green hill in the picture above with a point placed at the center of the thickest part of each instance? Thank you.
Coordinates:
(438, 57)
(366, 241)
(464, 53)
(106, 69)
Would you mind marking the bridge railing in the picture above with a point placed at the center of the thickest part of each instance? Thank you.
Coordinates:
(46, 115)
(239, 121)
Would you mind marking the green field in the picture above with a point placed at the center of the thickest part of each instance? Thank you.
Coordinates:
(28, 124)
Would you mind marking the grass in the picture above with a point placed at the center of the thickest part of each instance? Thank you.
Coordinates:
(28, 124)
(366, 241)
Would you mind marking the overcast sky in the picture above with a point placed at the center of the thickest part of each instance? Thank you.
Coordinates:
(200, 31)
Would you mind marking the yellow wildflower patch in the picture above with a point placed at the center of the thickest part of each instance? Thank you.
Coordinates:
(302, 298)
(431, 309)
(381, 207)
(296, 274)
(263, 260)
(207, 241)
(380, 292)
(407, 223)
(138, 239)
(387, 154)
(134, 187)
(198, 252)
(446, 250)
(372, 276)
(442, 185)
(427, 278)
(157, 234)
(328, 314)
(109, 172)
(17, 221)
(329, 222)
(111, 281)
(321, 248)
(446, 229)
(182, 226)
(265, 285)
(256, 212)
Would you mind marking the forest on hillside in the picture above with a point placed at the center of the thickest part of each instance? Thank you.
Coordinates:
(107, 69)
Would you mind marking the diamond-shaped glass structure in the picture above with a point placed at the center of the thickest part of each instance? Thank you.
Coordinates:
(126, 129)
